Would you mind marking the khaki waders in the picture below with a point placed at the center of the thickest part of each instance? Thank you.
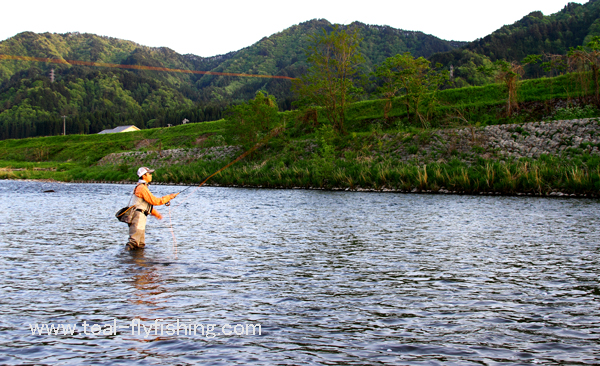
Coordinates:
(137, 231)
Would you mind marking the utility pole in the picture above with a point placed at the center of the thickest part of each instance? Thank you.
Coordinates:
(64, 125)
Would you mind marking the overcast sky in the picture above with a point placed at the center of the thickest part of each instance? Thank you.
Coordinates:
(209, 28)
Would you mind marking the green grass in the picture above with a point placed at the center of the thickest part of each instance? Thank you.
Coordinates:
(303, 156)
(88, 149)
(293, 166)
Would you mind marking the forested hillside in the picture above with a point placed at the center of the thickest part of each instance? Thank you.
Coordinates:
(95, 98)
(284, 54)
(535, 33)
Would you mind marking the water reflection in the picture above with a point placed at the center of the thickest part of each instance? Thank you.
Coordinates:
(148, 295)
(147, 280)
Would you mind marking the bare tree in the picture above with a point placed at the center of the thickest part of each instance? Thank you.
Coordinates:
(587, 59)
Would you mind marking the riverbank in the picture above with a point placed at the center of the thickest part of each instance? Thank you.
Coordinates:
(384, 190)
(559, 158)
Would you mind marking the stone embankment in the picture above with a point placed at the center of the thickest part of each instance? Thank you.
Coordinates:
(552, 138)
(506, 142)
(157, 159)
(499, 142)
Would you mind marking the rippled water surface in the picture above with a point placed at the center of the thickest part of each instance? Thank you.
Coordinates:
(331, 277)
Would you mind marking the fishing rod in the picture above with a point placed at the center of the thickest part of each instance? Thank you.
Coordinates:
(169, 203)
(272, 134)
(185, 189)
(180, 192)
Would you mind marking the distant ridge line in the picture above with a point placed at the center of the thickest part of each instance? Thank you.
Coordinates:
(135, 67)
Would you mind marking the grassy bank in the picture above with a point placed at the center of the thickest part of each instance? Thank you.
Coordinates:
(358, 162)
(541, 177)
(376, 154)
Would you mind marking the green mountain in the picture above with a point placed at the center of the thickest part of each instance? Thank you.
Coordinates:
(283, 54)
(535, 33)
(95, 98)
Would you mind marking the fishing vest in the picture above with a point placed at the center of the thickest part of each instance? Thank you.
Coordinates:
(140, 203)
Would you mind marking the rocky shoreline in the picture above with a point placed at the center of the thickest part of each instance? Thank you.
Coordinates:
(503, 142)
(534, 139)
(161, 158)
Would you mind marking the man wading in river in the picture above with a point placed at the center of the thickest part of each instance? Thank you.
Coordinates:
(144, 203)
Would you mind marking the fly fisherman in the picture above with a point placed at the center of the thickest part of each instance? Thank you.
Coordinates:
(144, 203)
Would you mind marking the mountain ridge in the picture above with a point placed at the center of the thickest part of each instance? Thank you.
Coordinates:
(101, 97)
(535, 33)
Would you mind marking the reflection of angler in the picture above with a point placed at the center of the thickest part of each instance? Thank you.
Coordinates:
(143, 205)
(147, 281)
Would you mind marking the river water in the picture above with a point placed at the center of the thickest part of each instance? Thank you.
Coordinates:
(333, 278)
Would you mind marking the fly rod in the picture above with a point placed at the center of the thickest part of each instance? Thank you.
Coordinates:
(273, 133)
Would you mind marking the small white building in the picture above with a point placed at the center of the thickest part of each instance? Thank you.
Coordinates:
(118, 129)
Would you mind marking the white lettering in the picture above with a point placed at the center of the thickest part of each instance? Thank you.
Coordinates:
(241, 331)
(69, 329)
(223, 329)
(253, 329)
(209, 330)
(147, 331)
(96, 326)
(158, 328)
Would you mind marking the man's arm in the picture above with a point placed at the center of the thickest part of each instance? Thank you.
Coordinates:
(143, 192)
(156, 214)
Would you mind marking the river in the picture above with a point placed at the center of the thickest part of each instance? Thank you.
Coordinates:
(335, 278)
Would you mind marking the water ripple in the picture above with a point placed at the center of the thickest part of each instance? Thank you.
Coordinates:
(332, 277)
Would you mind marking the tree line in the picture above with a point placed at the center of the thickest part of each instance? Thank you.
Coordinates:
(97, 99)
(332, 81)
(93, 100)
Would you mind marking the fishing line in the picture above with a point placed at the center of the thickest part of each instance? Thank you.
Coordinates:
(273, 133)
(164, 69)
(172, 233)
(135, 67)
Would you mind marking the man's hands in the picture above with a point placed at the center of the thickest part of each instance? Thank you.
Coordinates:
(170, 197)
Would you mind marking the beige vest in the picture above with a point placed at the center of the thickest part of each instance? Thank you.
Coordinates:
(140, 203)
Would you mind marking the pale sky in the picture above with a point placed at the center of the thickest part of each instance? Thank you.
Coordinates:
(209, 28)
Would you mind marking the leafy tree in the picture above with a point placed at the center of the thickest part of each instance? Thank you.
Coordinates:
(252, 120)
(588, 59)
(387, 72)
(552, 64)
(333, 59)
(415, 79)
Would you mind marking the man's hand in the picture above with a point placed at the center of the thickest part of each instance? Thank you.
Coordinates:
(158, 216)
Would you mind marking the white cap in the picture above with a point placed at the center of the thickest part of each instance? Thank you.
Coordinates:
(143, 170)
